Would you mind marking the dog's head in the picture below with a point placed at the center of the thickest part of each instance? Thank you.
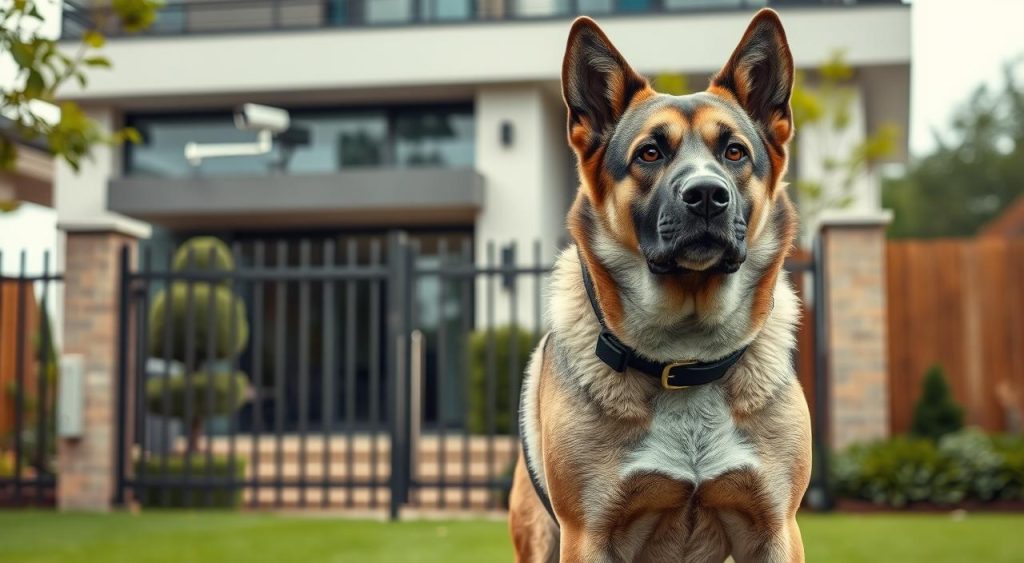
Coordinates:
(690, 184)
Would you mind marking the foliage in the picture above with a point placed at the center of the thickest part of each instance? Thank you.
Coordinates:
(175, 497)
(227, 391)
(972, 175)
(43, 67)
(198, 253)
(190, 315)
(672, 83)
(481, 407)
(936, 412)
(199, 311)
(827, 104)
(967, 465)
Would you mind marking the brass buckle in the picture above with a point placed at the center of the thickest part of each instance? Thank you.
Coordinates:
(668, 368)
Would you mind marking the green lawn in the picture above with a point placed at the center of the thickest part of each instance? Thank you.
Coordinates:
(189, 536)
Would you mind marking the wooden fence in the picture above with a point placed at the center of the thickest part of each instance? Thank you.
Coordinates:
(16, 306)
(960, 304)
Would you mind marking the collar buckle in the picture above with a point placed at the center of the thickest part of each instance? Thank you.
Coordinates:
(666, 373)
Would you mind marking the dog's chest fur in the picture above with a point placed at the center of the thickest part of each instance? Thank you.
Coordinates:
(692, 438)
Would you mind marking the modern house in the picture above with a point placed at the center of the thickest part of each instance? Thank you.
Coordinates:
(438, 116)
(441, 118)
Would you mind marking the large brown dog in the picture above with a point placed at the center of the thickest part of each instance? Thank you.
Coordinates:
(661, 417)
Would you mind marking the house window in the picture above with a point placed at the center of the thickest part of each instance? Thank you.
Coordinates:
(396, 137)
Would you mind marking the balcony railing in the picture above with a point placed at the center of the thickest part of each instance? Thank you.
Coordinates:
(187, 17)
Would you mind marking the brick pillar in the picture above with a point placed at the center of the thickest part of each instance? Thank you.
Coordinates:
(854, 257)
(86, 464)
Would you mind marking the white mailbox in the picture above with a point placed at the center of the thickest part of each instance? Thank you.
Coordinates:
(71, 396)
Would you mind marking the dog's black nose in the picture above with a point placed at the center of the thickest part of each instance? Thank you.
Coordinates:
(706, 196)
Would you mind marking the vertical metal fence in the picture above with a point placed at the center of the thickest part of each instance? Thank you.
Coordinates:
(374, 372)
(28, 382)
(353, 372)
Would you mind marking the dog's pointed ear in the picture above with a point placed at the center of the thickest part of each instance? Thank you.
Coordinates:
(597, 84)
(760, 76)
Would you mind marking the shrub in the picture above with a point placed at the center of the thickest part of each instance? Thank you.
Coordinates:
(936, 412)
(203, 254)
(225, 303)
(1011, 448)
(966, 465)
(478, 397)
(170, 496)
(178, 390)
(194, 323)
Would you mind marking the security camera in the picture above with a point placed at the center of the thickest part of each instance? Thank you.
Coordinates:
(255, 117)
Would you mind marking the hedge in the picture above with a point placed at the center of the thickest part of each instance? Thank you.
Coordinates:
(964, 466)
(174, 496)
(479, 405)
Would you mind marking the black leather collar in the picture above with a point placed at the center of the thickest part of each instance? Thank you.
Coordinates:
(673, 375)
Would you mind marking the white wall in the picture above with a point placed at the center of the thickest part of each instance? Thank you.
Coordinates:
(484, 53)
(525, 184)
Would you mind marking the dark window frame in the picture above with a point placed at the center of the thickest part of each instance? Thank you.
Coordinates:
(390, 111)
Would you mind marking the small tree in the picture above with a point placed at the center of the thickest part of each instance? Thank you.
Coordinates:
(208, 328)
(936, 412)
(43, 66)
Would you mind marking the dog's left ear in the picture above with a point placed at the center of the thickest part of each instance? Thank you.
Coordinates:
(760, 76)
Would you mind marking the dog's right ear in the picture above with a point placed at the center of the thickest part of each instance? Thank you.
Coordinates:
(597, 84)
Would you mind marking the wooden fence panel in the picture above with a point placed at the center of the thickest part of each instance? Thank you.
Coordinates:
(959, 304)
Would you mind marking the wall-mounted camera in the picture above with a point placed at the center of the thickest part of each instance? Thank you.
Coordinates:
(265, 120)
(256, 117)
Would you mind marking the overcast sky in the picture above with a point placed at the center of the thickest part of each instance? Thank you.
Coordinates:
(958, 44)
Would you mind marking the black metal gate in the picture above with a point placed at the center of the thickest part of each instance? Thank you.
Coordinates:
(374, 372)
(341, 371)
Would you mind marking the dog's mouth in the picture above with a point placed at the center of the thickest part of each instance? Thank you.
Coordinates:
(707, 250)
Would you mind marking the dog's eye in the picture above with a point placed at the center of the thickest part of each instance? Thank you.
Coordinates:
(649, 153)
(735, 152)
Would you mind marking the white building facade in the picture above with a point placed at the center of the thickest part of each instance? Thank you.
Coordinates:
(420, 114)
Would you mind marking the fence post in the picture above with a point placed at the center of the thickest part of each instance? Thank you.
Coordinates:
(87, 465)
(398, 312)
(856, 327)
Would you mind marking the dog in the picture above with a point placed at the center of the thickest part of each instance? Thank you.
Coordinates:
(661, 417)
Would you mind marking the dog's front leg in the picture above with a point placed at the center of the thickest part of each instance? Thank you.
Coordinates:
(783, 545)
(578, 546)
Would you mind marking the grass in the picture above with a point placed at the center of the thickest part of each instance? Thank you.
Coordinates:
(199, 537)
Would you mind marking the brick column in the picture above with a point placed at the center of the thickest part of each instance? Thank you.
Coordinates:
(854, 256)
(86, 464)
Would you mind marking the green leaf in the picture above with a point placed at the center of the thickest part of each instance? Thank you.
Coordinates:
(34, 85)
(22, 54)
(93, 39)
(101, 62)
(131, 135)
(8, 154)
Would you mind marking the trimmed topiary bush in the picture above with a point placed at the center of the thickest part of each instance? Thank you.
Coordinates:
(189, 306)
(478, 397)
(203, 254)
(222, 402)
(936, 412)
(225, 304)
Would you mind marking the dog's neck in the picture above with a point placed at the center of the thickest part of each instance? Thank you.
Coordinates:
(666, 335)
